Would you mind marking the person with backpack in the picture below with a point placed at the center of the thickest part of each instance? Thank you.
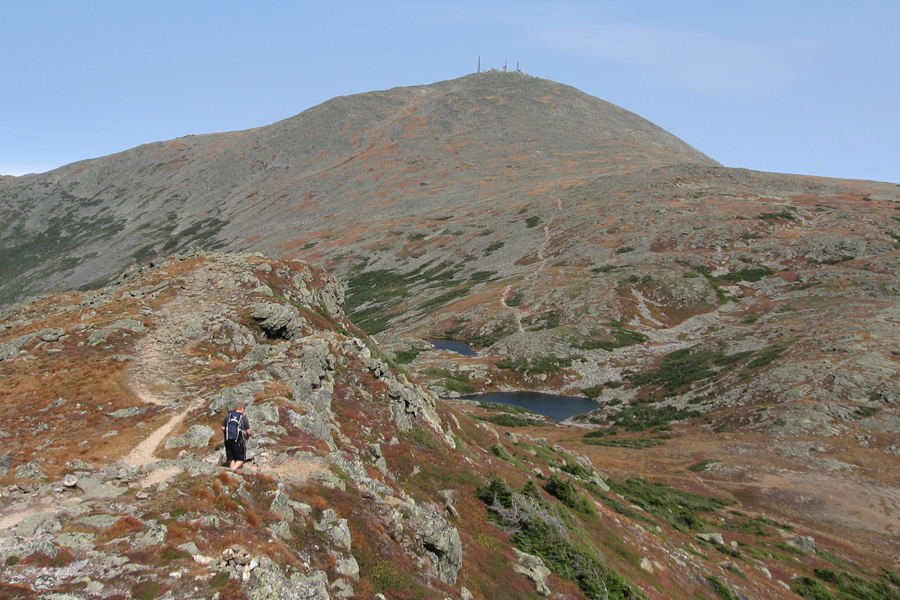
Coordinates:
(236, 428)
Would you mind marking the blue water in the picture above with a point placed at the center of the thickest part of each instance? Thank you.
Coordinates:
(555, 406)
(453, 346)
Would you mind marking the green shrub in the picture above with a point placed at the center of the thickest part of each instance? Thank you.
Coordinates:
(634, 443)
(495, 490)
(720, 588)
(457, 386)
(701, 466)
(645, 416)
(532, 221)
(498, 451)
(811, 588)
(593, 392)
(511, 421)
(565, 491)
(677, 506)
(776, 216)
(407, 356)
(577, 469)
(765, 357)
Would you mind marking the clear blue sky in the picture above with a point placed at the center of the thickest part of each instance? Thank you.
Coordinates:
(809, 87)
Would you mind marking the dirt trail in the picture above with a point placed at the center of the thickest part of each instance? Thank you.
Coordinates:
(161, 354)
(518, 313)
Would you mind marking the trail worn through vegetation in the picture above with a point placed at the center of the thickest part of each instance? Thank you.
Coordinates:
(161, 356)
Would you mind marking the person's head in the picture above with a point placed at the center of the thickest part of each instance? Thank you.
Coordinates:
(240, 407)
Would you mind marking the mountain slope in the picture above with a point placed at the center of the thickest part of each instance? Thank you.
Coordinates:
(361, 482)
(361, 160)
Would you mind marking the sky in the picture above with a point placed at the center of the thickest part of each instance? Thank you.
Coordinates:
(790, 86)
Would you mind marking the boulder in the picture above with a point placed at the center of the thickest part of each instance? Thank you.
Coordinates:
(335, 528)
(805, 543)
(533, 568)
(279, 320)
(440, 541)
(30, 470)
(197, 436)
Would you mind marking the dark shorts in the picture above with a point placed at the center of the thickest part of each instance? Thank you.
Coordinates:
(235, 450)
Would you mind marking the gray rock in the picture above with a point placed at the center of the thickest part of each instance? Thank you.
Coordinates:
(35, 524)
(533, 568)
(348, 567)
(267, 582)
(335, 528)
(805, 543)
(99, 522)
(440, 541)
(69, 480)
(11, 347)
(30, 546)
(712, 537)
(30, 470)
(100, 336)
(5, 463)
(78, 540)
(155, 536)
(53, 334)
(281, 506)
(125, 413)
(229, 397)
(279, 320)
(281, 529)
(196, 437)
(256, 355)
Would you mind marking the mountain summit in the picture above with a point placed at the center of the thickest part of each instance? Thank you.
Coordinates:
(365, 159)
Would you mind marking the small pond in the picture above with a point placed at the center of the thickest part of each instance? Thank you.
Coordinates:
(555, 406)
(453, 346)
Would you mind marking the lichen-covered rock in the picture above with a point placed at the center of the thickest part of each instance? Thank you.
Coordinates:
(267, 582)
(279, 320)
(100, 336)
(805, 543)
(281, 506)
(155, 536)
(12, 346)
(35, 524)
(335, 528)
(197, 436)
(229, 397)
(533, 568)
(439, 539)
(53, 334)
(30, 470)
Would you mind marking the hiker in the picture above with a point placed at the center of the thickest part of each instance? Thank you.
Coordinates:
(236, 428)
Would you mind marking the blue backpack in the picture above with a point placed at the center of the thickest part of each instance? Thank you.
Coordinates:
(233, 430)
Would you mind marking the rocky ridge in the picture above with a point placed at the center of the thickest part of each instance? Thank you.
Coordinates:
(362, 483)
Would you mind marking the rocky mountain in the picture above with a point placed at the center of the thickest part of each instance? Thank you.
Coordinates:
(363, 484)
(737, 329)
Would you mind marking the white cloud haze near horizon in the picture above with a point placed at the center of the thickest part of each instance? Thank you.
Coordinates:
(799, 87)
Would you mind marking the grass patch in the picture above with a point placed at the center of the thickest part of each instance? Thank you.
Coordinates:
(778, 216)
(720, 588)
(621, 338)
(678, 507)
(701, 466)
(548, 531)
(642, 417)
(407, 356)
(634, 443)
(536, 365)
